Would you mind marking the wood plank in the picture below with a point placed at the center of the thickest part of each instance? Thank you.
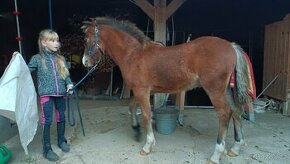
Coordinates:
(271, 58)
(271, 73)
(276, 57)
(266, 56)
(267, 52)
(287, 59)
(279, 61)
(284, 54)
(286, 105)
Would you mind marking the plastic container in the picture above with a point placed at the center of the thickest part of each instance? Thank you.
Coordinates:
(165, 120)
(5, 154)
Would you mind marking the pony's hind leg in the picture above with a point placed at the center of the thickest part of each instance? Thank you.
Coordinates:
(135, 123)
(143, 98)
(239, 138)
(224, 114)
(236, 115)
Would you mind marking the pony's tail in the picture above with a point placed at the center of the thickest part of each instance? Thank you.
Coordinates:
(241, 94)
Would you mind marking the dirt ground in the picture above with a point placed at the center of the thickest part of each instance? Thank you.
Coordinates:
(109, 139)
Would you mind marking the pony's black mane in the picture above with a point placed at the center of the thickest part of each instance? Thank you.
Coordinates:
(125, 26)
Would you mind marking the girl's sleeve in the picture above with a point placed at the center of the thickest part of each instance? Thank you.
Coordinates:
(67, 79)
(32, 65)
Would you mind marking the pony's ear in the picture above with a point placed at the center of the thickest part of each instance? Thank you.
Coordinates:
(93, 21)
(87, 22)
(84, 28)
(85, 25)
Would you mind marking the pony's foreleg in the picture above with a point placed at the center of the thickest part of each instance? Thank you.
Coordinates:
(143, 98)
(224, 114)
(150, 139)
(135, 123)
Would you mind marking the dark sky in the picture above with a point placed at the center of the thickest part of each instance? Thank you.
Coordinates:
(242, 21)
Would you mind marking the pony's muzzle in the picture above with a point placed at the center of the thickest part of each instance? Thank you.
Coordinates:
(85, 61)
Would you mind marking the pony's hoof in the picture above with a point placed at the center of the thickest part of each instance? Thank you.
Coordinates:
(232, 154)
(211, 162)
(143, 153)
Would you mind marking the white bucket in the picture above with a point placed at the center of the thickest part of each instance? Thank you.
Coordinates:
(260, 105)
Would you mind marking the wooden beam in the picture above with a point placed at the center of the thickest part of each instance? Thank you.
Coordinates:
(146, 7)
(173, 6)
(160, 21)
(159, 13)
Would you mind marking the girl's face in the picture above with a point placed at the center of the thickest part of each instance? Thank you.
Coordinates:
(51, 45)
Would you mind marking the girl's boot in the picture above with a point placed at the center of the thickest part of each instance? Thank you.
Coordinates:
(47, 150)
(62, 142)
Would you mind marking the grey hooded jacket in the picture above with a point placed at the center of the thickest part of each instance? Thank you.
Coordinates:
(50, 82)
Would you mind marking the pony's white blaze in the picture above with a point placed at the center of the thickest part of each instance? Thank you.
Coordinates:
(86, 62)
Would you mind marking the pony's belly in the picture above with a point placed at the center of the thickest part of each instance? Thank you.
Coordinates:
(175, 87)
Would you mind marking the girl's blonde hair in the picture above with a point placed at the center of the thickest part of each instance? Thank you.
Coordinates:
(50, 35)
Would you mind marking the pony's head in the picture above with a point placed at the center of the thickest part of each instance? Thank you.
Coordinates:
(92, 52)
(111, 38)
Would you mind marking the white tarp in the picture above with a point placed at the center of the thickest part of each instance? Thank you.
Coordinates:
(18, 99)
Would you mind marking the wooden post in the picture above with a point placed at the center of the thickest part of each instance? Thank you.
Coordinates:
(159, 35)
(160, 21)
(159, 13)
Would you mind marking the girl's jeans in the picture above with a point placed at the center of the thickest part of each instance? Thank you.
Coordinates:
(47, 103)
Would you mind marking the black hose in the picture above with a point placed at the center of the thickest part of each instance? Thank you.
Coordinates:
(70, 111)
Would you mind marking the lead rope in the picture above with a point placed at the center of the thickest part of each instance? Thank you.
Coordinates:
(70, 112)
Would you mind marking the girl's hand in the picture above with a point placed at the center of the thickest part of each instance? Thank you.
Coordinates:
(69, 89)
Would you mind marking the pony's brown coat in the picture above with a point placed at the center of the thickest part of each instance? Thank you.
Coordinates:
(147, 67)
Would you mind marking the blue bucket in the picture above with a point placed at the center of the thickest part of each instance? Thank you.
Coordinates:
(165, 120)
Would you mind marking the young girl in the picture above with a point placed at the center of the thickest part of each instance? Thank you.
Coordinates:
(53, 83)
